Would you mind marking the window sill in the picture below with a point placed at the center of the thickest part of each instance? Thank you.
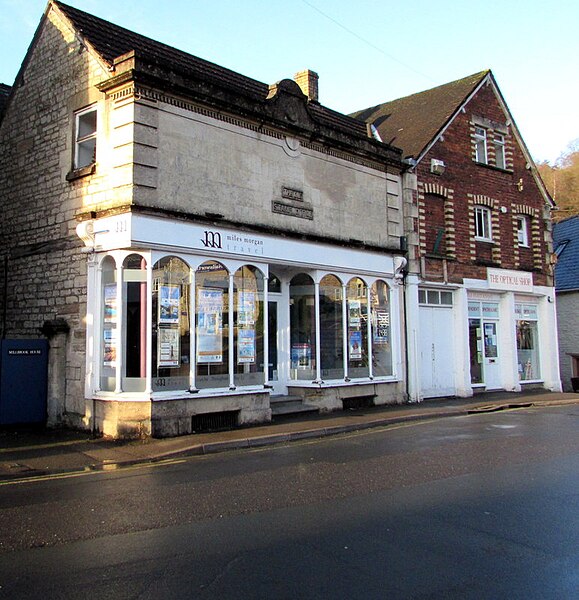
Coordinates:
(484, 240)
(82, 172)
(494, 167)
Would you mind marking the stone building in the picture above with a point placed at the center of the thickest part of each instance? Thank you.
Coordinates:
(195, 244)
(481, 312)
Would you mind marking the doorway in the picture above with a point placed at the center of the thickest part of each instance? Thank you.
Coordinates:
(484, 353)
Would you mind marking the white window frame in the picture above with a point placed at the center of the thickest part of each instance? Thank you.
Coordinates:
(483, 223)
(500, 157)
(480, 145)
(523, 231)
(86, 139)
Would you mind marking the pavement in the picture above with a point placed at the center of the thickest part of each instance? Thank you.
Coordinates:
(29, 453)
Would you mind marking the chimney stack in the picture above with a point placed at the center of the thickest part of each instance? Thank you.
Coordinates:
(308, 82)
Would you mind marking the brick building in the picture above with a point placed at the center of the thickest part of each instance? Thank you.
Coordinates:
(480, 296)
(194, 243)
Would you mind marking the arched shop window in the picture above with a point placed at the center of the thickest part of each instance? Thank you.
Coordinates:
(331, 328)
(357, 296)
(303, 328)
(171, 331)
(135, 323)
(212, 325)
(249, 327)
(110, 326)
(381, 329)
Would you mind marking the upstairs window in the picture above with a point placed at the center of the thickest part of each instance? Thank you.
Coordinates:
(85, 137)
(480, 145)
(499, 143)
(482, 217)
(523, 231)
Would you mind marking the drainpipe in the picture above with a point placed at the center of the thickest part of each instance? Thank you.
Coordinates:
(5, 298)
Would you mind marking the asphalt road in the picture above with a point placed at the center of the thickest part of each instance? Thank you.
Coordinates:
(484, 506)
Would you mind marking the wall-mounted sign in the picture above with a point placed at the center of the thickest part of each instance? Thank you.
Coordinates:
(503, 279)
(292, 211)
(291, 194)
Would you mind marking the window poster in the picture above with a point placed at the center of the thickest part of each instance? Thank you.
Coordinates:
(245, 346)
(354, 312)
(209, 325)
(245, 308)
(382, 326)
(355, 344)
(301, 356)
(168, 347)
(169, 297)
(110, 303)
(109, 347)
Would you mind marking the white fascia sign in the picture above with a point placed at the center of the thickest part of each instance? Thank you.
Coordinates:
(514, 281)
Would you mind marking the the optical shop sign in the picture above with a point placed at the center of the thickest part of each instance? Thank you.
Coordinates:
(516, 281)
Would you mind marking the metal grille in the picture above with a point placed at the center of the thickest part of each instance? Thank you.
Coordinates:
(358, 402)
(215, 421)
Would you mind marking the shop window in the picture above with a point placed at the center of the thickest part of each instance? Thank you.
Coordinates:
(110, 326)
(331, 328)
(85, 138)
(480, 145)
(302, 328)
(212, 325)
(171, 332)
(358, 364)
(483, 229)
(523, 231)
(135, 323)
(527, 342)
(499, 144)
(381, 329)
(249, 327)
(274, 284)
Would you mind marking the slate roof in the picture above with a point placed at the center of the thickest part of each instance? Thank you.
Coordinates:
(412, 122)
(566, 245)
(4, 93)
(111, 41)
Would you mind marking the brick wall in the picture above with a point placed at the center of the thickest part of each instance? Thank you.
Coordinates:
(507, 192)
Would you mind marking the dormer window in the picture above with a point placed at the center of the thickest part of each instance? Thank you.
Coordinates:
(480, 145)
(499, 143)
(85, 137)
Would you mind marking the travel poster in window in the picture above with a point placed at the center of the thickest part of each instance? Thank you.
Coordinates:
(245, 346)
(109, 347)
(354, 312)
(168, 347)
(245, 308)
(355, 345)
(110, 303)
(169, 297)
(209, 326)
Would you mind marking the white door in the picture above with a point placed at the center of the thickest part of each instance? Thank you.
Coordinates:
(436, 352)
(277, 367)
(491, 369)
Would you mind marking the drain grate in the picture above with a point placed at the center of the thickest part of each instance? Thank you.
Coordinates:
(358, 402)
(220, 421)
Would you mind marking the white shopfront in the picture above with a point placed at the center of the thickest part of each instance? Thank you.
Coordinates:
(178, 310)
(510, 341)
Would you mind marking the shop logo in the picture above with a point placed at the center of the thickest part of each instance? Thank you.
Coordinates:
(212, 239)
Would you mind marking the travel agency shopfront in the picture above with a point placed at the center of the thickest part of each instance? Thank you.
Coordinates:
(192, 319)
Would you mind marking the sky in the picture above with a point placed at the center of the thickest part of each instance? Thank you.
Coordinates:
(366, 51)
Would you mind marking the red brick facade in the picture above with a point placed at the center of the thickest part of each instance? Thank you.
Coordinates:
(446, 203)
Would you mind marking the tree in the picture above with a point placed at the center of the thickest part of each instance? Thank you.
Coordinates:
(562, 181)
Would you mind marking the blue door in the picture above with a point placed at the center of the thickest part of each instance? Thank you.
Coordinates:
(23, 381)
